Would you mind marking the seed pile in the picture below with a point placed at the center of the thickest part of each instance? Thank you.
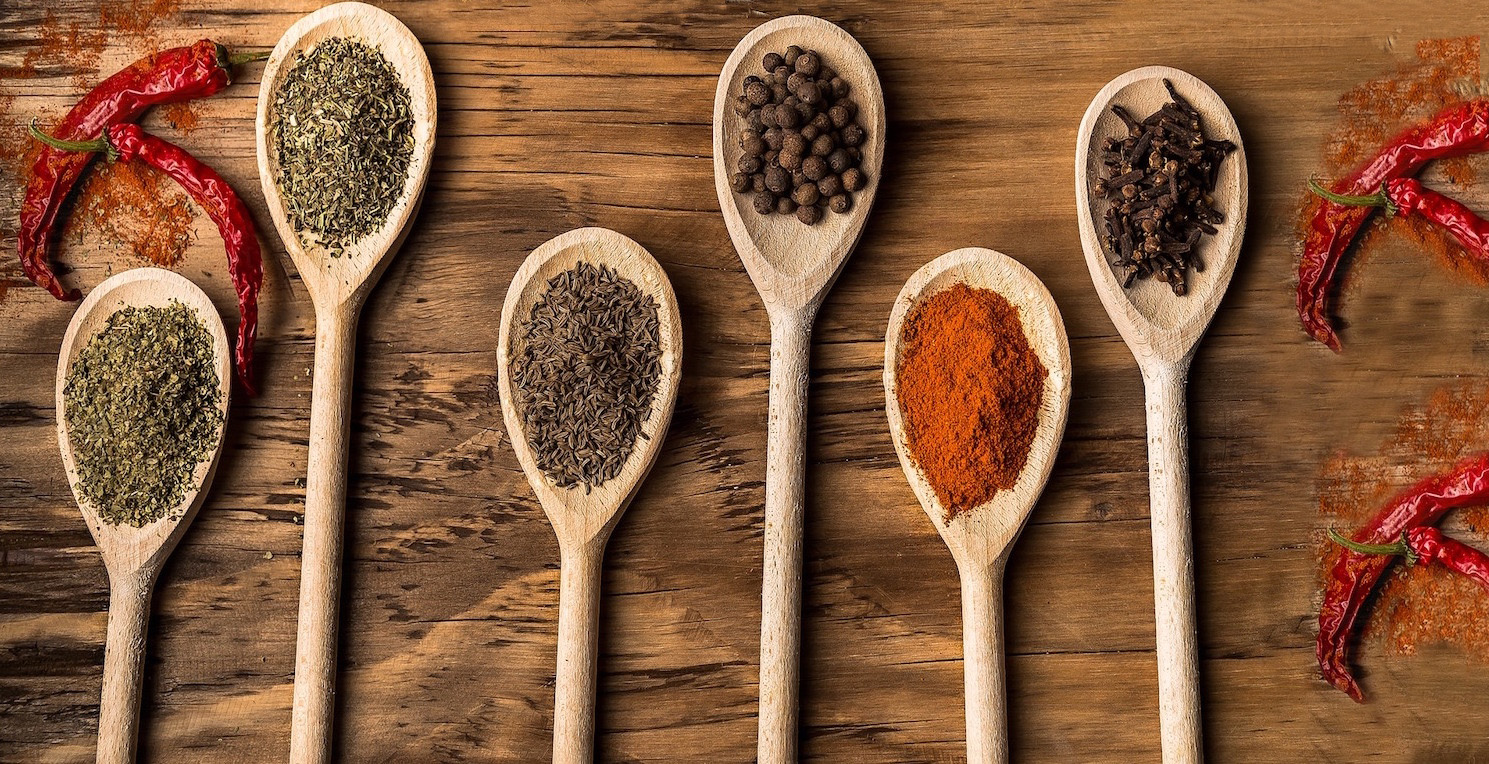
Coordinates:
(342, 129)
(586, 365)
(1159, 181)
(141, 404)
(802, 143)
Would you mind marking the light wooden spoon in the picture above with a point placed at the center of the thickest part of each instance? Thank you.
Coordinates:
(338, 288)
(134, 556)
(793, 266)
(583, 521)
(1163, 331)
(981, 539)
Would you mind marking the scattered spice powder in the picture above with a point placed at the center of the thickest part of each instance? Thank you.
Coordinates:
(1444, 72)
(969, 388)
(1414, 606)
(133, 206)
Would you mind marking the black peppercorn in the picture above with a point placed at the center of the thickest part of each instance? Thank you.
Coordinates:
(814, 167)
(823, 145)
(765, 202)
(853, 179)
(806, 194)
(794, 142)
(853, 135)
(750, 163)
(740, 182)
(838, 161)
(807, 63)
(839, 203)
(785, 206)
(757, 93)
(829, 186)
(809, 214)
(772, 60)
(777, 180)
(839, 116)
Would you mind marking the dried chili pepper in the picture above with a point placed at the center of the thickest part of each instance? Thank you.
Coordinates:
(170, 76)
(1407, 196)
(127, 142)
(1459, 130)
(1424, 546)
(1355, 575)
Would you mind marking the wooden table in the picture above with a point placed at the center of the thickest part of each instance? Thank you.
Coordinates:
(556, 116)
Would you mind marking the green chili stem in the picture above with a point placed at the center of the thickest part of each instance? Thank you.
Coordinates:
(238, 59)
(98, 145)
(1398, 548)
(1378, 199)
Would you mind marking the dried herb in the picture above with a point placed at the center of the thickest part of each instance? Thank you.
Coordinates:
(342, 130)
(141, 404)
(586, 365)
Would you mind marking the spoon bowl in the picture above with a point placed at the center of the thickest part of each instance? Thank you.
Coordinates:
(134, 556)
(792, 265)
(1163, 330)
(338, 287)
(1151, 318)
(981, 539)
(584, 520)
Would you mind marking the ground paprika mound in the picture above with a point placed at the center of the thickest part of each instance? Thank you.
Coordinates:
(969, 389)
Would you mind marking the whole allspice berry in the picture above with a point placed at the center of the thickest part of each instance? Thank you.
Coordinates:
(814, 167)
(839, 161)
(806, 194)
(772, 60)
(789, 159)
(807, 63)
(853, 179)
(756, 92)
(839, 116)
(794, 142)
(840, 203)
(830, 186)
(788, 117)
(823, 146)
(853, 135)
(777, 180)
(740, 182)
(809, 214)
(765, 202)
(785, 205)
(751, 163)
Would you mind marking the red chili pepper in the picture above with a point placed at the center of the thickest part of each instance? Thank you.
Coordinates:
(171, 76)
(1426, 545)
(1355, 575)
(128, 142)
(1456, 131)
(1404, 196)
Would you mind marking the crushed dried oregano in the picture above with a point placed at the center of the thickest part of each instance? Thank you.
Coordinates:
(342, 128)
(141, 404)
(586, 364)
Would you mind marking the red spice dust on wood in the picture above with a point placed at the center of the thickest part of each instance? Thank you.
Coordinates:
(1444, 72)
(1415, 606)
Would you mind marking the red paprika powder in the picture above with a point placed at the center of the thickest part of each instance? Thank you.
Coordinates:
(969, 388)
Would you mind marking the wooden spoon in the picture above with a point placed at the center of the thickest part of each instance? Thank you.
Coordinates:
(793, 266)
(583, 521)
(1163, 330)
(134, 556)
(982, 538)
(338, 288)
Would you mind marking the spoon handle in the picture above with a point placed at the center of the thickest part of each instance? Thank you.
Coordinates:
(313, 716)
(982, 656)
(578, 644)
(785, 494)
(123, 667)
(1173, 563)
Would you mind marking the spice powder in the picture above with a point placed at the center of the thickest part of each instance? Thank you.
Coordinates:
(969, 388)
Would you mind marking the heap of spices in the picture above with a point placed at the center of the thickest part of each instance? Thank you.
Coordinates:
(127, 142)
(801, 139)
(142, 406)
(1159, 180)
(969, 388)
(586, 364)
(171, 76)
(342, 129)
(1355, 574)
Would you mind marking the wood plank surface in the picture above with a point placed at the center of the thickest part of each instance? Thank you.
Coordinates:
(559, 115)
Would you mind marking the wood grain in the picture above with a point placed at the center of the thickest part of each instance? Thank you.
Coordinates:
(555, 116)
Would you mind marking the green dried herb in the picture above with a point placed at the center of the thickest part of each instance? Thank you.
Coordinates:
(586, 367)
(141, 405)
(342, 128)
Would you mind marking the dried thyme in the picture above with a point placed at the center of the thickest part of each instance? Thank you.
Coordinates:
(141, 405)
(342, 130)
(586, 365)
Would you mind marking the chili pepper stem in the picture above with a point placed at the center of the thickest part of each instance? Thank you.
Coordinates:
(1399, 548)
(238, 59)
(1371, 200)
(97, 145)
